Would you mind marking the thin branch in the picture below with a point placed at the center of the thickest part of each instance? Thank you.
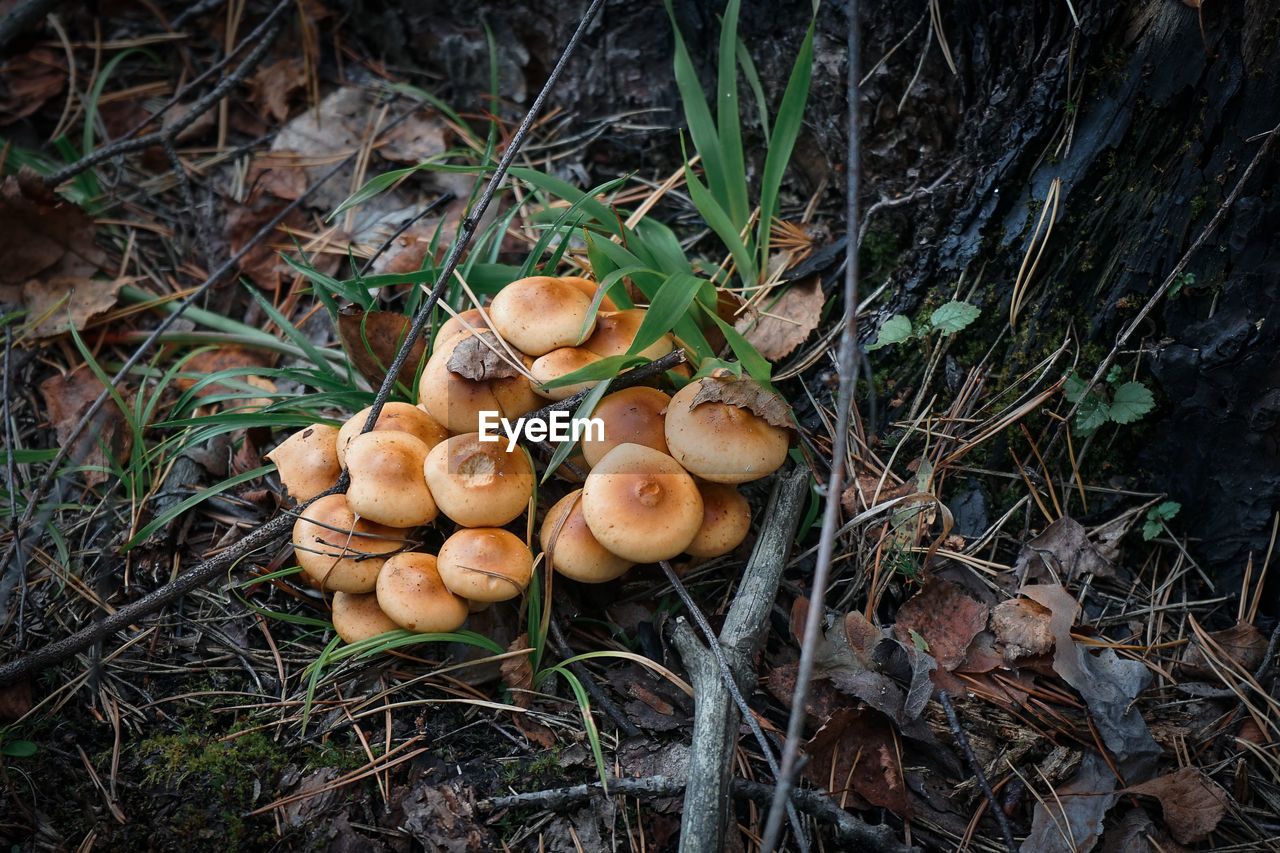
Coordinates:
(847, 368)
(848, 828)
(976, 767)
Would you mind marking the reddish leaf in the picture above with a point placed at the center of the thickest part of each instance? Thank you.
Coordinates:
(1243, 644)
(223, 358)
(747, 394)
(29, 80)
(372, 339)
(1193, 803)
(945, 617)
(67, 398)
(855, 753)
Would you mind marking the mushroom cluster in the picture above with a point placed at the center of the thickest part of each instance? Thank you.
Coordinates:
(662, 474)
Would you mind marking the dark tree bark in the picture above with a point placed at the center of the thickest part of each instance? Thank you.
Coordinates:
(1147, 124)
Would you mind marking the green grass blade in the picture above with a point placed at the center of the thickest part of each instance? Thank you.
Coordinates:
(785, 130)
(318, 357)
(669, 305)
(729, 120)
(756, 365)
(697, 114)
(196, 499)
(752, 76)
(720, 222)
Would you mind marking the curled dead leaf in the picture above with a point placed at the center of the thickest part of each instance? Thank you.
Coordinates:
(372, 339)
(787, 322)
(1021, 626)
(747, 394)
(480, 358)
(1193, 804)
(1243, 644)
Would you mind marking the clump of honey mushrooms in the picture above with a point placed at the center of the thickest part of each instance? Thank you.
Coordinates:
(662, 477)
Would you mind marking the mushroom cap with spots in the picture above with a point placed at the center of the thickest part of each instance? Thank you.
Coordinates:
(412, 594)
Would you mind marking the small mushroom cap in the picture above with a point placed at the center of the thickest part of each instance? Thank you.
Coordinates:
(357, 616)
(630, 416)
(572, 550)
(485, 564)
(539, 314)
(641, 505)
(721, 442)
(726, 521)
(589, 287)
(560, 362)
(308, 461)
(411, 592)
(337, 551)
(394, 417)
(615, 332)
(478, 483)
(388, 485)
(456, 402)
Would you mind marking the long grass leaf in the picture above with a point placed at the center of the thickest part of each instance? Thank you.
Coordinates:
(720, 222)
(729, 119)
(198, 498)
(702, 128)
(785, 130)
(671, 303)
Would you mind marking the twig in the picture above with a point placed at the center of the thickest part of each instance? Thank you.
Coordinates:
(976, 767)
(730, 681)
(603, 702)
(715, 720)
(847, 369)
(137, 143)
(847, 827)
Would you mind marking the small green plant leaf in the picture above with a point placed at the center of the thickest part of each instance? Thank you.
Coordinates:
(1131, 401)
(894, 331)
(1093, 413)
(953, 316)
(1114, 374)
(1157, 516)
(1074, 387)
(18, 748)
(918, 641)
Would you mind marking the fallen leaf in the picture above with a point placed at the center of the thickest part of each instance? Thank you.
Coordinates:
(262, 263)
(868, 491)
(745, 393)
(44, 235)
(15, 701)
(855, 753)
(1244, 644)
(416, 139)
(408, 250)
(945, 617)
(1193, 804)
(438, 817)
(67, 303)
(481, 358)
(1136, 832)
(1070, 820)
(788, 322)
(1107, 684)
(277, 175)
(1061, 554)
(1021, 626)
(212, 361)
(372, 339)
(273, 87)
(517, 673)
(325, 134)
(68, 397)
(29, 80)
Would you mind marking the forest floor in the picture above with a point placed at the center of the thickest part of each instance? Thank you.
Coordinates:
(991, 554)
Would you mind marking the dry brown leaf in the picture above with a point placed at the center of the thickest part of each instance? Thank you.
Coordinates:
(1243, 644)
(1022, 627)
(15, 701)
(67, 302)
(372, 339)
(223, 358)
(29, 81)
(274, 86)
(868, 491)
(788, 322)
(322, 136)
(945, 617)
(748, 394)
(415, 139)
(67, 397)
(261, 264)
(855, 754)
(1061, 554)
(517, 672)
(480, 359)
(407, 251)
(277, 176)
(1193, 803)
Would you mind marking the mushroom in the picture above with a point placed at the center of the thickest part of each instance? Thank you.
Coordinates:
(339, 551)
(357, 616)
(630, 416)
(539, 314)
(396, 417)
(478, 483)
(473, 317)
(557, 363)
(571, 549)
(387, 481)
(456, 402)
(308, 461)
(722, 442)
(726, 520)
(589, 287)
(485, 564)
(615, 332)
(412, 594)
(641, 505)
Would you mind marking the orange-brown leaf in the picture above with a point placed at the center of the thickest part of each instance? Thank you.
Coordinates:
(789, 321)
(372, 339)
(747, 394)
